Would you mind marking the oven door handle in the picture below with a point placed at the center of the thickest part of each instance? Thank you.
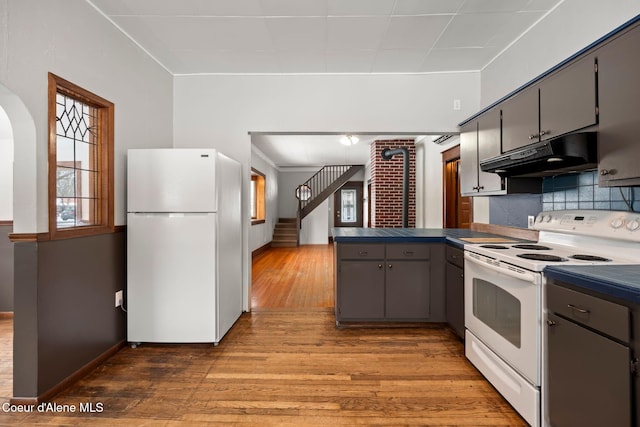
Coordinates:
(525, 276)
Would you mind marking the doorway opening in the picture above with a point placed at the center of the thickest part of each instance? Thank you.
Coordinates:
(457, 210)
(6, 256)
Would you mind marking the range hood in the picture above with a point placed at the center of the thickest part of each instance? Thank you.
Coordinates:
(567, 153)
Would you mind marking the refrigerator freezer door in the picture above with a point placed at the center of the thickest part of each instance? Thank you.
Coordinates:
(171, 180)
(171, 277)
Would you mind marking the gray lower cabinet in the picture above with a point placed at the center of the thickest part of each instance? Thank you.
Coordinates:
(589, 380)
(454, 279)
(361, 289)
(389, 282)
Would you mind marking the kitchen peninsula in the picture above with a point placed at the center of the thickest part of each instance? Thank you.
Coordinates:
(401, 274)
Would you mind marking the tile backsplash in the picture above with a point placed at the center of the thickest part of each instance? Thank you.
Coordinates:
(581, 191)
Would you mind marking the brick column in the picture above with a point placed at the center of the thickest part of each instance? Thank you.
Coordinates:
(386, 185)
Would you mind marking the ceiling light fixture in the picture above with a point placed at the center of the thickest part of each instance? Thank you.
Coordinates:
(349, 140)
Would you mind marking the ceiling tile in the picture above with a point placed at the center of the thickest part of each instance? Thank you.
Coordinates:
(180, 8)
(399, 60)
(458, 59)
(426, 7)
(513, 28)
(351, 61)
(201, 32)
(543, 5)
(294, 7)
(301, 62)
(355, 33)
(310, 33)
(414, 32)
(214, 61)
(360, 7)
(473, 30)
(491, 6)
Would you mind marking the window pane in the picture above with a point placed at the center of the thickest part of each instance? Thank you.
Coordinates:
(86, 212)
(66, 208)
(64, 151)
(253, 199)
(85, 156)
(86, 183)
(65, 182)
(348, 208)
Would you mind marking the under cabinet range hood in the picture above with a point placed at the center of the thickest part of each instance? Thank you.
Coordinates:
(564, 154)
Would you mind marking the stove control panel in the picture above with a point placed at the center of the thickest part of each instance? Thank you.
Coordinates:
(597, 223)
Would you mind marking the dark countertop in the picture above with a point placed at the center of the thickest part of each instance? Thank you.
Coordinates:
(407, 235)
(620, 281)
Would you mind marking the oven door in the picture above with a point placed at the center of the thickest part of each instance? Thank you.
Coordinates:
(502, 309)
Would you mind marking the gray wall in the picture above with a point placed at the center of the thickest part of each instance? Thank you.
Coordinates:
(512, 210)
(65, 315)
(6, 269)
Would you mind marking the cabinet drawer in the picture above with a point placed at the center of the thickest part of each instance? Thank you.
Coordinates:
(361, 251)
(603, 316)
(455, 256)
(408, 251)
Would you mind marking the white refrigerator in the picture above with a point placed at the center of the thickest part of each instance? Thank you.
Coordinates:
(184, 255)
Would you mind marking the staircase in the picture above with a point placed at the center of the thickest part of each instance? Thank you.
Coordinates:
(285, 233)
(324, 183)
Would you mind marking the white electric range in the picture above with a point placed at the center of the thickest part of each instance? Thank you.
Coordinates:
(505, 294)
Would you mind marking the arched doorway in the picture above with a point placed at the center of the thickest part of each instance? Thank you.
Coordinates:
(17, 182)
(6, 256)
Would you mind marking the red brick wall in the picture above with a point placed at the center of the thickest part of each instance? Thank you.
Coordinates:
(386, 184)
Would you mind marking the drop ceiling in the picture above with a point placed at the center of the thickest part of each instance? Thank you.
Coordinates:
(189, 37)
(323, 36)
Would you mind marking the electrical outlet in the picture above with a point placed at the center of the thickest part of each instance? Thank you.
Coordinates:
(530, 221)
(456, 104)
(119, 298)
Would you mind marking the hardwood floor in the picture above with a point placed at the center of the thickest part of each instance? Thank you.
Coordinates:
(288, 366)
(6, 358)
(299, 277)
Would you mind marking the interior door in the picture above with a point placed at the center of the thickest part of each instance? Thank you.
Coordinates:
(458, 210)
(347, 206)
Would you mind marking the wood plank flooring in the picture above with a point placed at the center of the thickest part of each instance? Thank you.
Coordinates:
(288, 367)
(6, 358)
(299, 277)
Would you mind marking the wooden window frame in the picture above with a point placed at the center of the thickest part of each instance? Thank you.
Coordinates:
(104, 192)
(259, 197)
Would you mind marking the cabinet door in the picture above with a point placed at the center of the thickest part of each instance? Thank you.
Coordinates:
(568, 99)
(488, 147)
(455, 298)
(360, 293)
(588, 377)
(469, 159)
(619, 100)
(520, 126)
(407, 290)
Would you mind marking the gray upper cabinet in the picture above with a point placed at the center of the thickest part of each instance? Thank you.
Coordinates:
(619, 96)
(568, 100)
(520, 124)
(479, 140)
(563, 102)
